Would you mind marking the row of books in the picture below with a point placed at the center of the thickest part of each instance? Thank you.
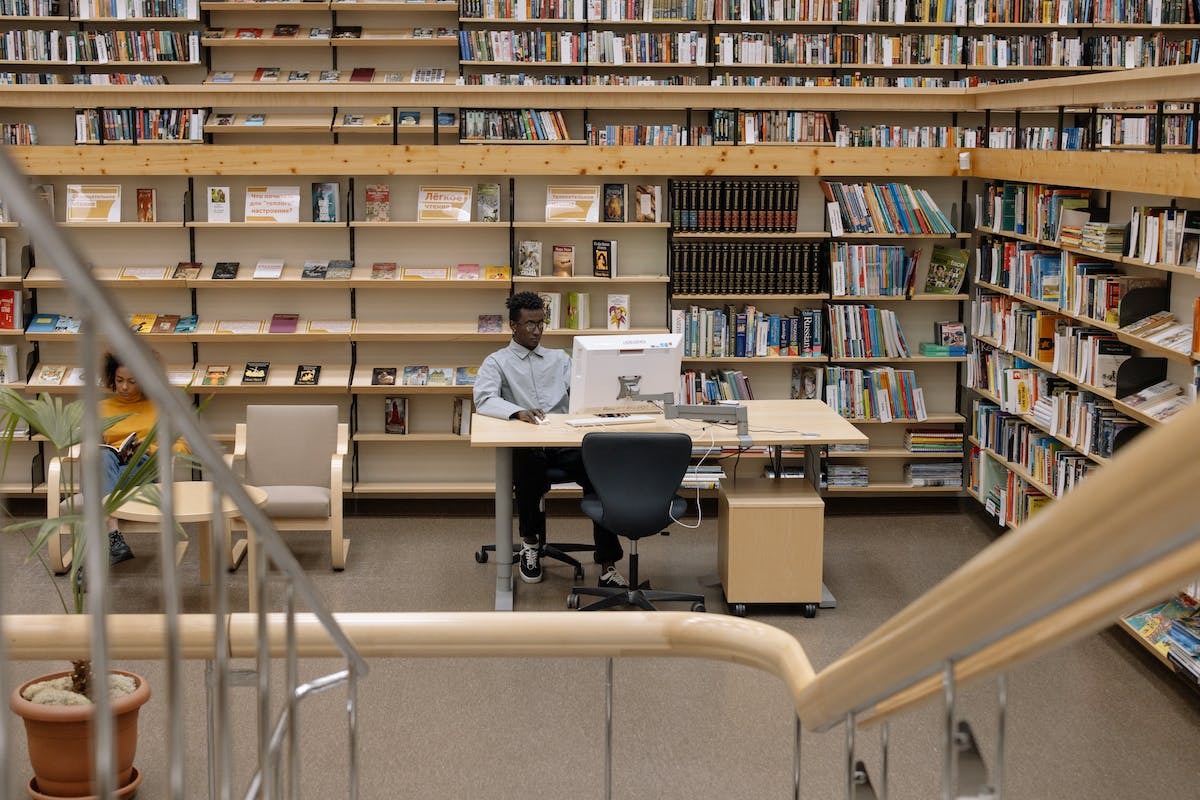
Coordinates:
(18, 133)
(335, 269)
(876, 393)
(258, 372)
(864, 331)
(423, 375)
(1012, 500)
(749, 333)
(752, 127)
(710, 388)
(74, 47)
(913, 136)
(123, 9)
(929, 440)
(883, 208)
(93, 125)
(396, 418)
(520, 124)
(707, 205)
(571, 311)
(747, 267)
(946, 474)
(1042, 456)
(669, 135)
(273, 74)
(83, 79)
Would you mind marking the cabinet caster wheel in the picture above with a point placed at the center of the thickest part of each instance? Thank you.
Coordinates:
(738, 609)
(809, 610)
(573, 601)
(481, 557)
(698, 608)
(578, 574)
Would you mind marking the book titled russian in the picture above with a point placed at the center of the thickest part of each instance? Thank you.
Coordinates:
(444, 203)
(378, 197)
(256, 371)
(529, 259)
(573, 203)
(272, 204)
(614, 202)
(618, 312)
(395, 415)
(604, 258)
(487, 202)
(325, 202)
(563, 260)
(93, 202)
(647, 203)
(307, 375)
(218, 204)
(147, 205)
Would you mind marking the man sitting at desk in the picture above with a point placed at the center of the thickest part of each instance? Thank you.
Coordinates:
(525, 381)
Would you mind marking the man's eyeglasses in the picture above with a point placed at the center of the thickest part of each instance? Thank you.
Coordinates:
(534, 326)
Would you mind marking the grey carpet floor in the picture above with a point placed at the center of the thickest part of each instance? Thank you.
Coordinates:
(1095, 719)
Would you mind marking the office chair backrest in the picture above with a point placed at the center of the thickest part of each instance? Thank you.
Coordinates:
(635, 476)
(290, 445)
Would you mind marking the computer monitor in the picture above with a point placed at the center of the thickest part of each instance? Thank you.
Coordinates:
(611, 372)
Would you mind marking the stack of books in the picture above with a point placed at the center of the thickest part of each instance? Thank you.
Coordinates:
(925, 441)
(948, 474)
(1163, 329)
(703, 477)
(1102, 237)
(846, 476)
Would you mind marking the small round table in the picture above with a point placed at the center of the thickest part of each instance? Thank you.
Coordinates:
(194, 503)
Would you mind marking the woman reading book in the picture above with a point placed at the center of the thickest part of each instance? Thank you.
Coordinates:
(139, 416)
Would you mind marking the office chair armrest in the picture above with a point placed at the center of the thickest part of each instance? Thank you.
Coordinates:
(336, 468)
(343, 439)
(239, 441)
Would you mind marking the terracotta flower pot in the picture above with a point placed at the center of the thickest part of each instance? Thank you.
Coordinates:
(60, 739)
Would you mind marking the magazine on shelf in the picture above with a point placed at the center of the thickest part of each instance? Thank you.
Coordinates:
(444, 203)
(272, 204)
(573, 203)
(93, 202)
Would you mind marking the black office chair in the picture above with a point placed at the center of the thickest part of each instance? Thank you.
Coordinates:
(555, 550)
(635, 477)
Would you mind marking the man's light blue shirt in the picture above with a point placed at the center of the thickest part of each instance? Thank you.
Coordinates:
(517, 378)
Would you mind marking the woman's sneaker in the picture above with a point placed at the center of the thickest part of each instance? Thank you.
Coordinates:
(118, 549)
(531, 563)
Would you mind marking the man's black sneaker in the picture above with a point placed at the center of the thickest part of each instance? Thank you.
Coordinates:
(531, 564)
(611, 579)
(118, 548)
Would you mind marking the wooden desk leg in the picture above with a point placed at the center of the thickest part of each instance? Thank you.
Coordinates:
(234, 551)
(252, 557)
(504, 512)
(204, 534)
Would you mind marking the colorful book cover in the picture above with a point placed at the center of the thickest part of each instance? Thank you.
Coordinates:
(284, 323)
(498, 272)
(215, 375)
(614, 202)
(272, 204)
(577, 311)
(325, 202)
(465, 376)
(466, 272)
(603, 252)
(529, 259)
(383, 271)
(947, 268)
(440, 376)
(141, 323)
(647, 203)
(487, 200)
(395, 415)
(618, 312)
(147, 205)
(256, 372)
(307, 375)
(187, 324)
(444, 203)
(415, 375)
(563, 260)
(490, 323)
(408, 119)
(378, 197)
(383, 376)
(218, 204)
(165, 323)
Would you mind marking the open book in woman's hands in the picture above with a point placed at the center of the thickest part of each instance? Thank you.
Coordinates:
(125, 449)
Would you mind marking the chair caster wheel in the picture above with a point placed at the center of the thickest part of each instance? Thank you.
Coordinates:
(579, 574)
(738, 609)
(573, 601)
(809, 610)
(698, 608)
(481, 557)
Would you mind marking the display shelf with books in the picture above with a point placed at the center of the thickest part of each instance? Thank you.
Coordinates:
(271, 123)
(280, 379)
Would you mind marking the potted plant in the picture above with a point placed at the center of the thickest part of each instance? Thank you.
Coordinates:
(57, 708)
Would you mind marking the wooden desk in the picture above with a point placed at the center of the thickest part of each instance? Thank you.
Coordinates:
(193, 503)
(772, 423)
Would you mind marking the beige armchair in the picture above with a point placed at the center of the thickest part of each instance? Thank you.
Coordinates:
(295, 454)
(62, 473)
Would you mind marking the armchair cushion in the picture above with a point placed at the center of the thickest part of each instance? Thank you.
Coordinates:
(296, 501)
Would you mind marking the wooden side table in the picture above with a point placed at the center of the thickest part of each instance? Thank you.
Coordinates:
(193, 503)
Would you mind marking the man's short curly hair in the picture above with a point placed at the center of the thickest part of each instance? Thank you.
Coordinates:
(530, 301)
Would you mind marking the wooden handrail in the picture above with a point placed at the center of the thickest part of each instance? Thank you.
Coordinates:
(434, 635)
(1143, 501)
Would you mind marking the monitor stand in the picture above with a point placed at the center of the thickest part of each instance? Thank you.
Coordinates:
(725, 414)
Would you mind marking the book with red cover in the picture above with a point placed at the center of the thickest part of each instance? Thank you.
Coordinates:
(248, 33)
(284, 323)
(362, 75)
(9, 315)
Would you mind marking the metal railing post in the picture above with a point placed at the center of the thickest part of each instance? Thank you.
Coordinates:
(167, 542)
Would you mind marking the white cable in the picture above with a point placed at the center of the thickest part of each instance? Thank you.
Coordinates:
(699, 511)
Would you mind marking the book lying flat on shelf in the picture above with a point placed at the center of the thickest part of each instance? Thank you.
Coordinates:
(285, 31)
(266, 74)
(165, 323)
(239, 326)
(383, 271)
(308, 375)
(67, 324)
(490, 323)
(256, 372)
(215, 375)
(440, 376)
(255, 120)
(49, 375)
(330, 325)
(248, 33)
(409, 119)
(429, 75)
(329, 76)
(347, 32)
(143, 273)
(466, 272)
(383, 376)
(497, 272)
(268, 269)
(298, 76)
(225, 270)
(283, 323)
(425, 274)
(187, 324)
(362, 74)
(572, 204)
(415, 375)
(272, 204)
(93, 202)
(444, 204)
(465, 376)
(42, 323)
(352, 120)
(339, 269)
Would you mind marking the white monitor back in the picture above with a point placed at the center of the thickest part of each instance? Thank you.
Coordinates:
(611, 371)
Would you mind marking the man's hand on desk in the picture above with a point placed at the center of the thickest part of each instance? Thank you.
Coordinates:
(533, 416)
